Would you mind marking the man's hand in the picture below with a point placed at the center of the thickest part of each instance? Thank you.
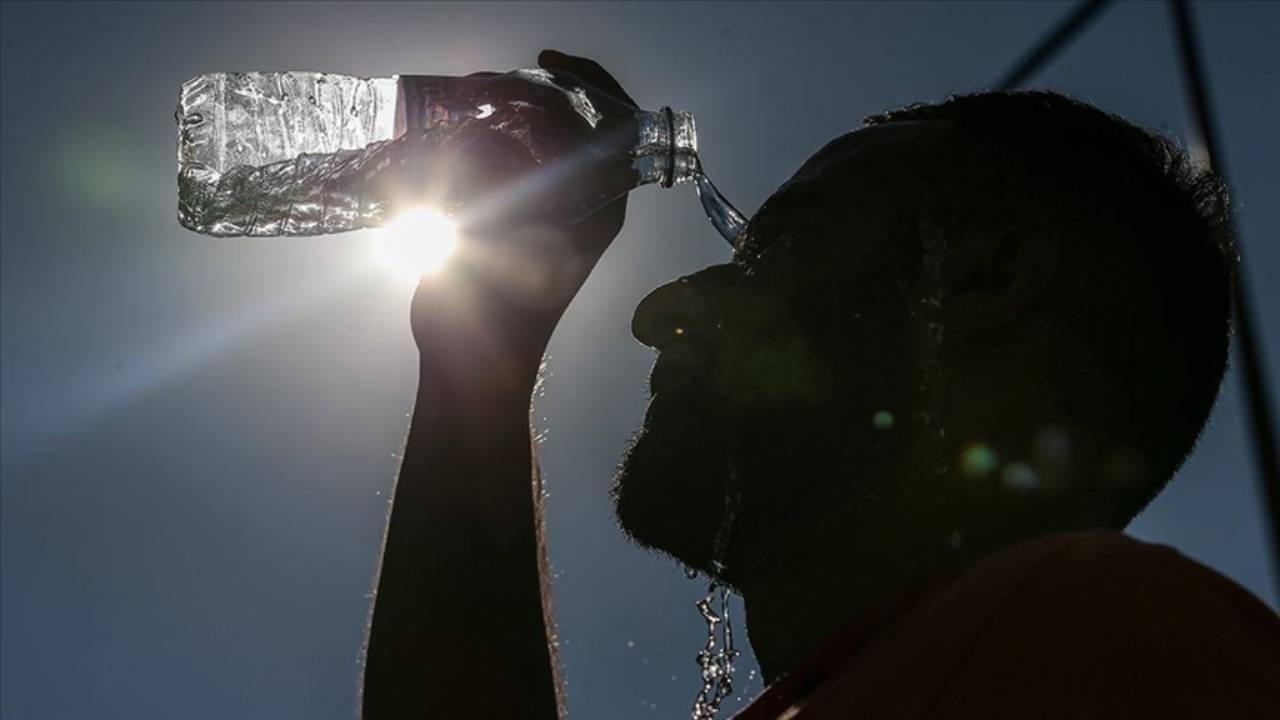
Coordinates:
(503, 293)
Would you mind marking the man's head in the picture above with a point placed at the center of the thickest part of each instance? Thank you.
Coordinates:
(997, 316)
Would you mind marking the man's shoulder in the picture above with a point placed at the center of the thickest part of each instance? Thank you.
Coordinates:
(1099, 579)
(1104, 620)
(1106, 568)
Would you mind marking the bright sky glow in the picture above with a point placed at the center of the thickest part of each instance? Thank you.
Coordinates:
(417, 242)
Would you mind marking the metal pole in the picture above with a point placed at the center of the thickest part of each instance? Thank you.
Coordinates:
(1049, 46)
(1248, 347)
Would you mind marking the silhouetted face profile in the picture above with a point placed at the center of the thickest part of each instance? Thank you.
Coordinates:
(993, 317)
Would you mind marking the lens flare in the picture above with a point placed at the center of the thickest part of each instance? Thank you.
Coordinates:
(417, 242)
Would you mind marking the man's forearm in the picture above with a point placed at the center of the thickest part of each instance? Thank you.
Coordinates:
(458, 627)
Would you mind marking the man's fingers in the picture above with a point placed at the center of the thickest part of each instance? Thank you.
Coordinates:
(594, 233)
(587, 70)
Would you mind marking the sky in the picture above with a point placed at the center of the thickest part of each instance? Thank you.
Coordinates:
(199, 435)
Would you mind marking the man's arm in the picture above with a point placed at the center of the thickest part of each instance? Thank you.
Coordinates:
(458, 627)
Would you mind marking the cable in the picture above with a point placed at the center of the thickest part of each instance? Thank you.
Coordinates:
(1257, 395)
(1057, 39)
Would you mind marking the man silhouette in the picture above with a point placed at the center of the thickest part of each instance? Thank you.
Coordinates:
(951, 358)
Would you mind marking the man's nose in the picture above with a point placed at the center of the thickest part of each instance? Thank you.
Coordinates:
(688, 305)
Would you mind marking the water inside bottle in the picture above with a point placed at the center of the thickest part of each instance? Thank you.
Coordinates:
(300, 153)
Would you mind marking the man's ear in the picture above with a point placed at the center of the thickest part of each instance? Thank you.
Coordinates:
(991, 280)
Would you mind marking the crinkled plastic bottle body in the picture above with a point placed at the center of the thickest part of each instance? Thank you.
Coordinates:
(273, 153)
(310, 195)
(234, 119)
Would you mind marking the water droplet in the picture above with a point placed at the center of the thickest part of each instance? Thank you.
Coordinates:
(690, 573)
(934, 331)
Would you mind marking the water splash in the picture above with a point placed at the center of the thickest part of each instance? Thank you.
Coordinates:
(717, 655)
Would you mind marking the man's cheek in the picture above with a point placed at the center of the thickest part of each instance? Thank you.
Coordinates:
(782, 374)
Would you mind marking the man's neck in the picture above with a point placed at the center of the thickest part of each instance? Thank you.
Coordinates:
(798, 610)
(858, 566)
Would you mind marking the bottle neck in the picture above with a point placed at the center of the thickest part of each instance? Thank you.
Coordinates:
(666, 151)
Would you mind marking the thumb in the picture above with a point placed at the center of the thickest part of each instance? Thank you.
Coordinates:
(586, 70)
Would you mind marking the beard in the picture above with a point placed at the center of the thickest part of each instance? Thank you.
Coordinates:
(669, 490)
(789, 463)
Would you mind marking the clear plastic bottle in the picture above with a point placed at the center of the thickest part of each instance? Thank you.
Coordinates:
(296, 153)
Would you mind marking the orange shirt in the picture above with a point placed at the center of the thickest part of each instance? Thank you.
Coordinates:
(1082, 625)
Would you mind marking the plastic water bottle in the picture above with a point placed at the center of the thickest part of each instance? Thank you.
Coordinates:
(300, 153)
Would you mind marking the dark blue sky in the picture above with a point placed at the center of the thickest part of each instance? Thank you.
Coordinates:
(199, 434)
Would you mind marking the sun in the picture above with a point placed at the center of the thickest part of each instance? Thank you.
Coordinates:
(417, 242)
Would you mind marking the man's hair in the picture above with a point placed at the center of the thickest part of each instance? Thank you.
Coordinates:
(1145, 282)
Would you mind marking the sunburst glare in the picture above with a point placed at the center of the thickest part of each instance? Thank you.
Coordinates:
(417, 242)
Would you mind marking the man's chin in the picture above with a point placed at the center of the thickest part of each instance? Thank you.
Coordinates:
(669, 490)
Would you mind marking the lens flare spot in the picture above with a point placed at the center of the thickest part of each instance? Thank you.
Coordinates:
(417, 242)
(1019, 476)
(977, 460)
(882, 420)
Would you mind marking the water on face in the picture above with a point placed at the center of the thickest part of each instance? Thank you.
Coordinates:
(716, 657)
(926, 310)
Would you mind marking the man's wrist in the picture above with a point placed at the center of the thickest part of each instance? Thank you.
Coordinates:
(477, 373)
